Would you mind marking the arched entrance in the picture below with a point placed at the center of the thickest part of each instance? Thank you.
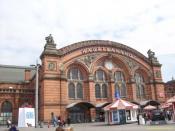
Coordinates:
(79, 112)
(100, 114)
(149, 102)
(6, 112)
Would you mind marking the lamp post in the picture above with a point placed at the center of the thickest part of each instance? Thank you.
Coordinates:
(36, 94)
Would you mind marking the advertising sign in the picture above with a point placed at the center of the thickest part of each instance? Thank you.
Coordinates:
(26, 117)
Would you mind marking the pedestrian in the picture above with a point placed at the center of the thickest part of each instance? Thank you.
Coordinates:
(138, 122)
(68, 121)
(8, 123)
(13, 128)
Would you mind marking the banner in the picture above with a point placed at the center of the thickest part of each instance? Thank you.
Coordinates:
(117, 95)
(26, 116)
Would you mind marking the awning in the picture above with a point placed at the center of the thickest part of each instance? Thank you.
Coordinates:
(165, 105)
(149, 102)
(71, 105)
(101, 105)
(120, 104)
(171, 100)
(87, 104)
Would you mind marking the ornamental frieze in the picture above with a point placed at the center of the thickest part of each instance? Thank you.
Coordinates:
(88, 59)
(131, 63)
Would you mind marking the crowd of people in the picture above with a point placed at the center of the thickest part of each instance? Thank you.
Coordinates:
(58, 121)
(154, 115)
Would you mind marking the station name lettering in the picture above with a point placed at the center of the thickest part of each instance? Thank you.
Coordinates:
(107, 49)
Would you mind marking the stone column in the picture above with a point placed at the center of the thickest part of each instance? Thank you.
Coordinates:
(92, 98)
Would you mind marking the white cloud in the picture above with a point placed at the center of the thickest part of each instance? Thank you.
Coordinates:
(140, 24)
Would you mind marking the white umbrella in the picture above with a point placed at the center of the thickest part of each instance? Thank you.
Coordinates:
(149, 107)
(171, 100)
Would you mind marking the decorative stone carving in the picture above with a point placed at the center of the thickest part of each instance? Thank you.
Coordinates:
(52, 66)
(158, 74)
(132, 64)
(88, 59)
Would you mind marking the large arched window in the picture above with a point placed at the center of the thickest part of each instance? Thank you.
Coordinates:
(101, 90)
(6, 112)
(140, 90)
(97, 91)
(120, 84)
(75, 74)
(104, 91)
(79, 91)
(100, 75)
(75, 87)
(71, 90)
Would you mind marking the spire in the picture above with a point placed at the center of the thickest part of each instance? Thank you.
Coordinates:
(172, 78)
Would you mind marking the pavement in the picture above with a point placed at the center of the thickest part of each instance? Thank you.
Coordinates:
(170, 126)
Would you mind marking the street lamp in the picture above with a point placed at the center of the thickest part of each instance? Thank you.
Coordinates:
(36, 94)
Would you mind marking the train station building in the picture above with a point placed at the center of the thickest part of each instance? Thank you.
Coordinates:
(80, 79)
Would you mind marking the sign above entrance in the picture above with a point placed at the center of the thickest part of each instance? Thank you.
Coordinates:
(107, 49)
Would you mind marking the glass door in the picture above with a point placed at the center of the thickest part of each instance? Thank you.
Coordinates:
(122, 116)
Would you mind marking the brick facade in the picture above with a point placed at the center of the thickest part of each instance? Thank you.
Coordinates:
(88, 57)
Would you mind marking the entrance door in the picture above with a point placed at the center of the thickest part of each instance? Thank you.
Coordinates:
(122, 116)
(80, 112)
(77, 117)
(6, 112)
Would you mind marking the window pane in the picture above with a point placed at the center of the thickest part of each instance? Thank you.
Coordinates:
(71, 90)
(6, 107)
(119, 76)
(120, 83)
(79, 91)
(117, 89)
(97, 91)
(104, 91)
(139, 85)
(123, 90)
(100, 75)
(75, 74)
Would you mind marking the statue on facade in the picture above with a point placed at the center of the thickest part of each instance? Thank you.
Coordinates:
(151, 54)
(49, 39)
(151, 57)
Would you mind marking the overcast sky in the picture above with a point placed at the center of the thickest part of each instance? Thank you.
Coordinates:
(140, 24)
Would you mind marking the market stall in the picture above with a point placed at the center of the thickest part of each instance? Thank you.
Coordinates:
(120, 112)
(172, 100)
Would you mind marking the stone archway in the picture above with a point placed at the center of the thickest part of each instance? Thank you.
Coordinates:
(79, 112)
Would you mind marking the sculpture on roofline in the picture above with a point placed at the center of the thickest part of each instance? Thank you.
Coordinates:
(49, 39)
(151, 57)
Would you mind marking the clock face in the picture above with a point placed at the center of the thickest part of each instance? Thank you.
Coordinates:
(108, 65)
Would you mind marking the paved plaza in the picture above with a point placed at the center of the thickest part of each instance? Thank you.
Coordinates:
(104, 127)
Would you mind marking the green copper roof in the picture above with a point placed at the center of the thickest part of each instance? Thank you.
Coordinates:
(14, 74)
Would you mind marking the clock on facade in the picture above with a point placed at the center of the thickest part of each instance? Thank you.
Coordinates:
(108, 64)
(51, 66)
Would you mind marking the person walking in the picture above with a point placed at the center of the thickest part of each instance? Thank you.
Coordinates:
(13, 128)
(9, 123)
(138, 121)
(68, 121)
